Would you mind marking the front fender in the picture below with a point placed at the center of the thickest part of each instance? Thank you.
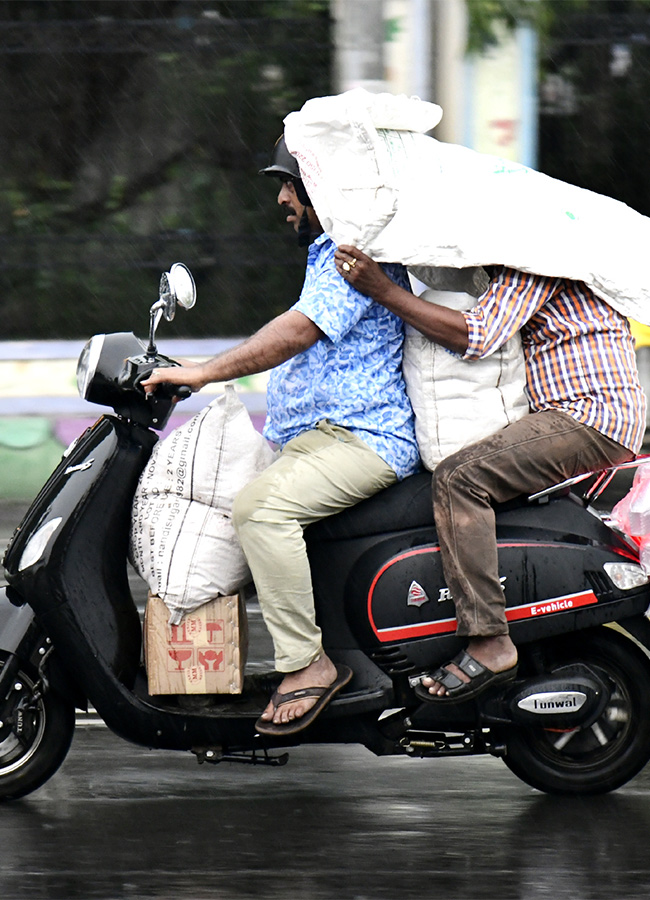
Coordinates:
(15, 622)
(22, 640)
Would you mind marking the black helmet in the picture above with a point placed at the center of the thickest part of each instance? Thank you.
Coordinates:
(284, 165)
(282, 162)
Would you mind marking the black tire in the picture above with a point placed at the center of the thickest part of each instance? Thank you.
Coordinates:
(35, 735)
(605, 755)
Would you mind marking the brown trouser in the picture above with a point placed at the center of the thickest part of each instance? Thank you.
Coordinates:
(534, 453)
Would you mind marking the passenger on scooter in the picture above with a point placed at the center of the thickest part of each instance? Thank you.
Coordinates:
(337, 406)
(588, 413)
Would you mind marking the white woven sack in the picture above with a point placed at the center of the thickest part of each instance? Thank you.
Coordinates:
(183, 542)
(457, 402)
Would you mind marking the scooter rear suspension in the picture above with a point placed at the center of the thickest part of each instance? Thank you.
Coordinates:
(433, 743)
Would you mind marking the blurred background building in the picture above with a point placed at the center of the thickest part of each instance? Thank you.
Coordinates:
(130, 135)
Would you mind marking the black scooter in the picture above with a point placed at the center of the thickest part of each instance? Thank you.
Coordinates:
(575, 720)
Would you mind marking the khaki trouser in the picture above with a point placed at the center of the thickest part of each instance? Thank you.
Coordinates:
(539, 450)
(317, 474)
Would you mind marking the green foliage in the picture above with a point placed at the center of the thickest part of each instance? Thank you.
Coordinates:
(594, 131)
(131, 136)
(486, 15)
(594, 60)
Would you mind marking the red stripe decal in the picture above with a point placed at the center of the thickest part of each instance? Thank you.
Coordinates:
(386, 566)
(513, 614)
(546, 607)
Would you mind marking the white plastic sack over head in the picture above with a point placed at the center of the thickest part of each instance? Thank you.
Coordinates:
(377, 181)
(350, 149)
(183, 542)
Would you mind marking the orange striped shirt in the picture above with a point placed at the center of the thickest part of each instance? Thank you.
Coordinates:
(579, 351)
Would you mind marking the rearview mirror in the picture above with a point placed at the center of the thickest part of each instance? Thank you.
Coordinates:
(176, 287)
(181, 285)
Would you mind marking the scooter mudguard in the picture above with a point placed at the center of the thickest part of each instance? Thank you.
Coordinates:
(15, 622)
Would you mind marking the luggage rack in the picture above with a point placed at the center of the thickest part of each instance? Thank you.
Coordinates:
(602, 480)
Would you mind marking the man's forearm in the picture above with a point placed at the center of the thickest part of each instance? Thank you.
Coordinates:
(280, 339)
(277, 341)
(437, 323)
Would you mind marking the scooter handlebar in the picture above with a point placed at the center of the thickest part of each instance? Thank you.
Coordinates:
(183, 391)
(167, 389)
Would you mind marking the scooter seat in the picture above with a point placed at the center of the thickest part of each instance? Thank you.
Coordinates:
(403, 506)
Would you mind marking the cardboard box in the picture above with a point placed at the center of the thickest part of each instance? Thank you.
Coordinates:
(204, 654)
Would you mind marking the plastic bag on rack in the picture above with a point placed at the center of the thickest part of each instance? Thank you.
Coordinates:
(631, 515)
(644, 553)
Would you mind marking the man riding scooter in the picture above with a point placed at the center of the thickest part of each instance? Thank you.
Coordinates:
(575, 718)
(588, 413)
(337, 407)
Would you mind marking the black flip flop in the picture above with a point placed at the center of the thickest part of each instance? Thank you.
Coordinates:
(324, 694)
(480, 679)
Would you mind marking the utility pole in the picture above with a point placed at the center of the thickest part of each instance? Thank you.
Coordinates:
(359, 40)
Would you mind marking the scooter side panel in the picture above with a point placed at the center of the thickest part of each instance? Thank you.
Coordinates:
(551, 558)
(407, 597)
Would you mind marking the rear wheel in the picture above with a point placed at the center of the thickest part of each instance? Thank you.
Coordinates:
(35, 734)
(605, 755)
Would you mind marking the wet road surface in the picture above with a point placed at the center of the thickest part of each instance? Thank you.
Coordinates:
(118, 821)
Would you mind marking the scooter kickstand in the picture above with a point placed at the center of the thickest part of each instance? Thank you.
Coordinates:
(215, 755)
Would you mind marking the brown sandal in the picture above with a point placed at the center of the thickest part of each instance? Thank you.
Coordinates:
(324, 695)
(480, 679)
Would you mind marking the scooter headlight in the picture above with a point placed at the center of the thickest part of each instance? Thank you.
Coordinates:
(87, 364)
(101, 364)
(625, 576)
(35, 546)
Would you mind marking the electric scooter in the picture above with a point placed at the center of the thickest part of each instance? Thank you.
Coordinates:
(574, 721)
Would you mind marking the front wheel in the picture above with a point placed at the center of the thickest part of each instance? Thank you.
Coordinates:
(605, 755)
(35, 734)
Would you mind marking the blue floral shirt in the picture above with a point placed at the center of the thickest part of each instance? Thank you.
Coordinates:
(353, 376)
